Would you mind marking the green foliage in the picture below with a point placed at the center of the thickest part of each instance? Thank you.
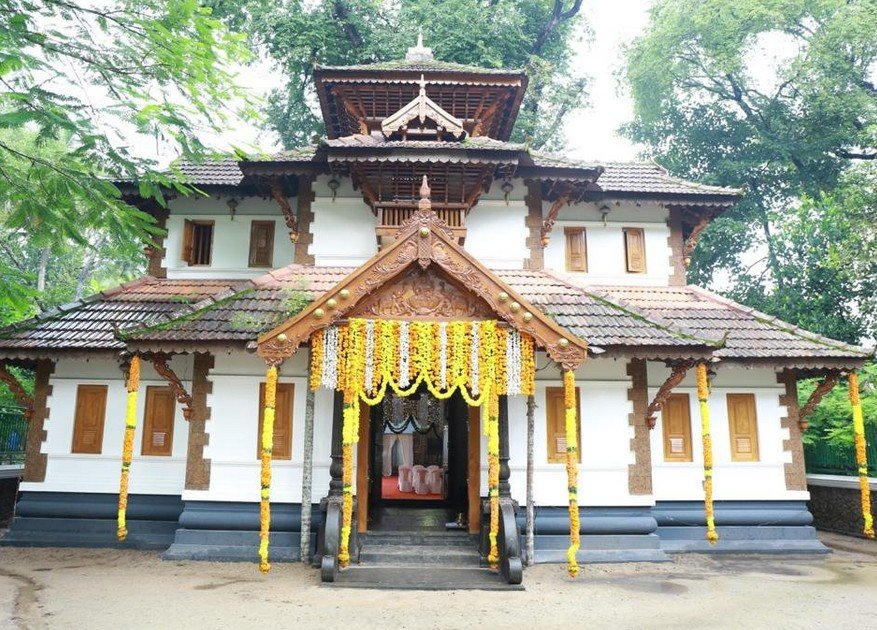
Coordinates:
(249, 322)
(76, 79)
(294, 299)
(832, 420)
(711, 104)
(532, 34)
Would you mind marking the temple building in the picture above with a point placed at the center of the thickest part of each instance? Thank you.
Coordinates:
(419, 345)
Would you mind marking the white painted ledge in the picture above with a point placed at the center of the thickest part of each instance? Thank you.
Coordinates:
(839, 481)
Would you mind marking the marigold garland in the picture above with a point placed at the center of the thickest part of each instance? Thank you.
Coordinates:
(128, 445)
(265, 472)
(493, 474)
(861, 454)
(572, 470)
(316, 359)
(703, 399)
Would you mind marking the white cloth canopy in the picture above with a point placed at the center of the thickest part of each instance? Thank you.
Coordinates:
(406, 447)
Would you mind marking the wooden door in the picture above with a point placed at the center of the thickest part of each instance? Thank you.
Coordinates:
(88, 424)
(474, 474)
(363, 448)
(676, 420)
(743, 427)
(158, 421)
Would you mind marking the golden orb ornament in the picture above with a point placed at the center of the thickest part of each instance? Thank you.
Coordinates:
(282, 338)
(527, 317)
(318, 313)
(563, 343)
(424, 231)
(331, 303)
(502, 296)
(515, 307)
(344, 294)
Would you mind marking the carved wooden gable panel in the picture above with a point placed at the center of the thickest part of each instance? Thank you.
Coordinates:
(423, 294)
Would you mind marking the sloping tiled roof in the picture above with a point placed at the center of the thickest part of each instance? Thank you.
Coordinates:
(376, 142)
(431, 65)
(261, 306)
(90, 323)
(750, 334)
(223, 172)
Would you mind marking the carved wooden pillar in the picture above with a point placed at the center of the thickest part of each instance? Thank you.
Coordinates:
(505, 489)
(336, 468)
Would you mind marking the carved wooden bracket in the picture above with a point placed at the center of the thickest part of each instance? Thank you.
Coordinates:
(159, 362)
(679, 370)
(821, 390)
(288, 215)
(548, 225)
(15, 386)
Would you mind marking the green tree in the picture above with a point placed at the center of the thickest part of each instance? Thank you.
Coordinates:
(832, 420)
(712, 103)
(532, 34)
(81, 85)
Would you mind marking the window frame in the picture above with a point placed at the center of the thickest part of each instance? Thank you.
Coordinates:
(570, 232)
(275, 452)
(188, 251)
(270, 245)
(629, 232)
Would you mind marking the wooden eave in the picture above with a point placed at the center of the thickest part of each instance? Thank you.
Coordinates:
(426, 241)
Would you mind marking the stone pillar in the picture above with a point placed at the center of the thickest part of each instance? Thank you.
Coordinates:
(533, 222)
(639, 475)
(305, 218)
(197, 467)
(676, 242)
(155, 255)
(796, 476)
(34, 460)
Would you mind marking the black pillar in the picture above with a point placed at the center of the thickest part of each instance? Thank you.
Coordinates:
(505, 489)
(336, 468)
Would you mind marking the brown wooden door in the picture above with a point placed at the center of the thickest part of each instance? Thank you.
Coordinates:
(282, 448)
(555, 425)
(743, 426)
(158, 421)
(635, 249)
(88, 424)
(576, 249)
(676, 419)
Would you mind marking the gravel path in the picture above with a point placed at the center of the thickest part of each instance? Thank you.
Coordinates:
(87, 588)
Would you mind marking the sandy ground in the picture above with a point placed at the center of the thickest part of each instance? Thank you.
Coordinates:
(86, 588)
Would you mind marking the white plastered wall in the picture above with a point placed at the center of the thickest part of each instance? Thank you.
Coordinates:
(762, 480)
(233, 431)
(496, 232)
(231, 236)
(80, 472)
(605, 243)
(343, 229)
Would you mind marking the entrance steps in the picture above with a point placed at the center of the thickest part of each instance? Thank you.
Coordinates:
(421, 560)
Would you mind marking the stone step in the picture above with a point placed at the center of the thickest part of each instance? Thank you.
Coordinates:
(422, 578)
(400, 555)
(419, 539)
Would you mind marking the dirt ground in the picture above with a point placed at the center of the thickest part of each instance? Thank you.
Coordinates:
(87, 588)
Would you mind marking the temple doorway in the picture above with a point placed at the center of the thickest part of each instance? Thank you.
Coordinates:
(419, 463)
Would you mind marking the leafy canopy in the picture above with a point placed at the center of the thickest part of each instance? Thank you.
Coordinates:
(532, 34)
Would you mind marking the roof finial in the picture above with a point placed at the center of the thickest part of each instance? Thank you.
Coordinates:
(425, 203)
(419, 52)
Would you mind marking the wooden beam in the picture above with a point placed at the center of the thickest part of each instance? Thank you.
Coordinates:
(159, 362)
(548, 225)
(816, 396)
(279, 195)
(677, 374)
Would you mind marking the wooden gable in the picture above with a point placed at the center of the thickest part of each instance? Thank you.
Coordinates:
(424, 242)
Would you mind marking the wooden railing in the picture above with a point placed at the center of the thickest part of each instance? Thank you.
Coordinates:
(390, 218)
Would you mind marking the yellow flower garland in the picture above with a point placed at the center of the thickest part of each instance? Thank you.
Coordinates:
(703, 400)
(861, 454)
(572, 470)
(493, 474)
(265, 473)
(316, 359)
(128, 445)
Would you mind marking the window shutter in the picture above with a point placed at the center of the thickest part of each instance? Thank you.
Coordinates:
(282, 421)
(576, 249)
(88, 423)
(555, 429)
(261, 243)
(188, 241)
(635, 250)
(158, 421)
(676, 420)
(743, 426)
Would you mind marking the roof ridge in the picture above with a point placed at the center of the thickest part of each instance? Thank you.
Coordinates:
(624, 305)
(780, 323)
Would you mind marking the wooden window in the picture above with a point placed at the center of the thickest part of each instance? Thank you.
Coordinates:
(576, 249)
(197, 242)
(158, 421)
(743, 426)
(676, 419)
(635, 250)
(88, 425)
(261, 243)
(282, 421)
(555, 415)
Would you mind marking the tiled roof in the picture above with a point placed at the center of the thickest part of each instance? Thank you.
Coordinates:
(90, 323)
(377, 142)
(261, 306)
(749, 333)
(223, 172)
(418, 66)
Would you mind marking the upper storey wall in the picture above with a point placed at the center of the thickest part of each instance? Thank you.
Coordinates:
(497, 234)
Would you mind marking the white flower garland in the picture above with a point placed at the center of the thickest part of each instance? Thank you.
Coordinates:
(513, 363)
(329, 376)
(474, 374)
(369, 355)
(443, 356)
(403, 355)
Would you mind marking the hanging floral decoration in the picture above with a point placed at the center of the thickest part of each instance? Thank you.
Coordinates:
(572, 471)
(365, 358)
(265, 473)
(128, 444)
(703, 400)
(861, 454)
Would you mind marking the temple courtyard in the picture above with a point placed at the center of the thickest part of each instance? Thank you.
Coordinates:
(67, 588)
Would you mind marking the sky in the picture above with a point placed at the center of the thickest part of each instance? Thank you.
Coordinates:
(591, 132)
